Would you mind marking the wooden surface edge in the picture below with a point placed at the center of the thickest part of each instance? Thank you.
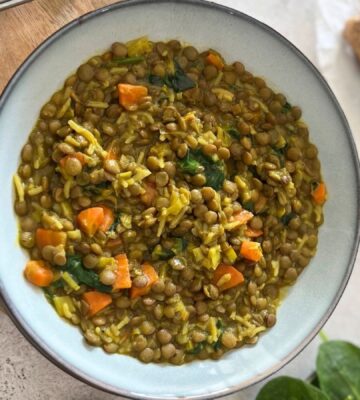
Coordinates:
(25, 27)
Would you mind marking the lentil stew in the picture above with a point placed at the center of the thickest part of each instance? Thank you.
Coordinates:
(166, 198)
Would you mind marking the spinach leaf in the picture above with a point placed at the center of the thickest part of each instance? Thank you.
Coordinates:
(286, 388)
(233, 133)
(189, 165)
(180, 245)
(178, 81)
(125, 61)
(214, 177)
(338, 369)
(221, 327)
(213, 170)
(285, 219)
(197, 348)
(255, 174)
(217, 344)
(96, 189)
(280, 152)
(115, 223)
(314, 381)
(51, 289)
(314, 185)
(286, 107)
(249, 206)
(90, 278)
(160, 253)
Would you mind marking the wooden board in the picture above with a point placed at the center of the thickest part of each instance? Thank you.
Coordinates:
(24, 27)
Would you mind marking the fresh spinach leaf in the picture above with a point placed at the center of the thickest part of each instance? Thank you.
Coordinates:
(58, 284)
(97, 189)
(338, 369)
(217, 344)
(213, 170)
(249, 205)
(255, 174)
(315, 381)
(160, 253)
(178, 81)
(314, 185)
(51, 289)
(197, 348)
(234, 133)
(220, 327)
(214, 177)
(280, 152)
(90, 278)
(285, 219)
(116, 222)
(49, 297)
(180, 245)
(189, 165)
(286, 107)
(286, 388)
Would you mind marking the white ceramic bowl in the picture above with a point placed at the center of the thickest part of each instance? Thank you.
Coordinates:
(265, 53)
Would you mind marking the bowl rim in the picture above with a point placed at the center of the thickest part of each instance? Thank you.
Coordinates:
(75, 372)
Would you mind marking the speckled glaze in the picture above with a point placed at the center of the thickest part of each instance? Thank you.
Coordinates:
(265, 53)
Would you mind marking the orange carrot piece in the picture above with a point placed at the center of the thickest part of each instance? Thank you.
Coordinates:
(45, 237)
(215, 60)
(319, 194)
(38, 273)
(90, 219)
(97, 301)
(242, 216)
(149, 196)
(251, 250)
(78, 155)
(123, 280)
(253, 233)
(131, 95)
(150, 272)
(236, 277)
(108, 219)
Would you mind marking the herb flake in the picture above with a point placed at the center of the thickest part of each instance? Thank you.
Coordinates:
(178, 81)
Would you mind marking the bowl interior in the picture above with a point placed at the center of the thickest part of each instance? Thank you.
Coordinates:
(264, 53)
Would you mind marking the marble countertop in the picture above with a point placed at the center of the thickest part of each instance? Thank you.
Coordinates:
(27, 375)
